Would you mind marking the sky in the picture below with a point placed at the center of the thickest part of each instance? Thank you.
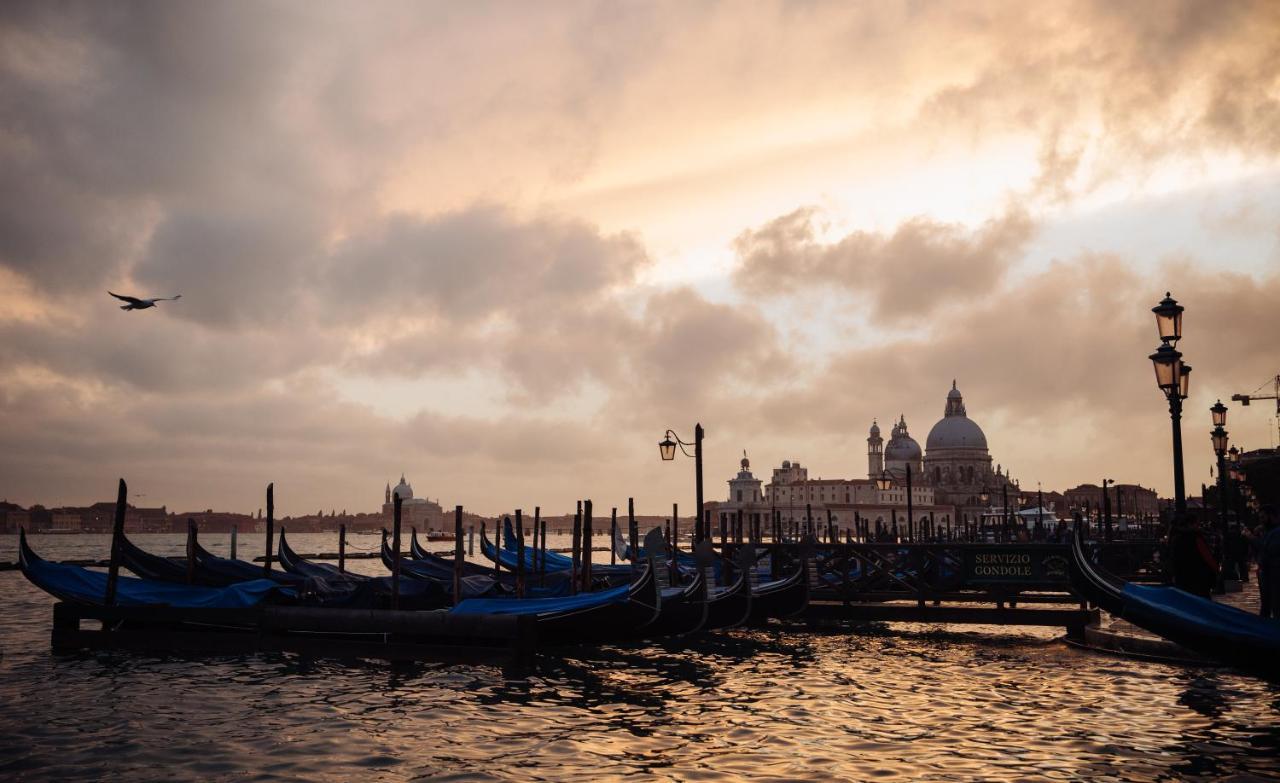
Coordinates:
(501, 247)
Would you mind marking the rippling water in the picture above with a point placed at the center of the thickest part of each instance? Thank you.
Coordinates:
(903, 702)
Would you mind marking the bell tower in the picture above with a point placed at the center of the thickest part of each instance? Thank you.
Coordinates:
(875, 452)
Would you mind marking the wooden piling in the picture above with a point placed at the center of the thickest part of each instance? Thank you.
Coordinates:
(574, 548)
(117, 536)
(633, 532)
(458, 558)
(395, 552)
(613, 536)
(271, 522)
(519, 553)
(471, 540)
(675, 544)
(233, 542)
(342, 548)
(539, 552)
(586, 546)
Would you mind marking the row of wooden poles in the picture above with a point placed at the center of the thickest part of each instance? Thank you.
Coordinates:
(581, 578)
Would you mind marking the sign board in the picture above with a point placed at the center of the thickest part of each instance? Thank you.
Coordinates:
(1036, 565)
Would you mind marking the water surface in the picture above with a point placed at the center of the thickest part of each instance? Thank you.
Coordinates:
(901, 702)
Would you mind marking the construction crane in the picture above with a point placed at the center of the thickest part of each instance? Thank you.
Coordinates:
(1244, 399)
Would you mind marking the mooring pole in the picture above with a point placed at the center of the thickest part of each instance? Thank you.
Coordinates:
(395, 552)
(233, 542)
(633, 532)
(675, 544)
(471, 540)
(271, 522)
(539, 553)
(117, 536)
(613, 536)
(342, 548)
(575, 549)
(458, 558)
(519, 553)
(586, 546)
(191, 551)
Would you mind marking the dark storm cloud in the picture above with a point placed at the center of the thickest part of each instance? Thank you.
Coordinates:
(907, 273)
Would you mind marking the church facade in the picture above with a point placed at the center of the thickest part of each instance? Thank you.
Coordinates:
(416, 512)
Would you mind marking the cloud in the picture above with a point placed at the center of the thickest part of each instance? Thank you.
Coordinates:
(785, 257)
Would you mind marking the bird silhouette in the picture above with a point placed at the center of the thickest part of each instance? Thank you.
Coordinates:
(142, 304)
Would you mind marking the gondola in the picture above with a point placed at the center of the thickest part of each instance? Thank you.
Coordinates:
(210, 567)
(417, 552)
(607, 575)
(781, 597)
(473, 586)
(1214, 630)
(730, 606)
(291, 562)
(160, 569)
(556, 561)
(357, 591)
(604, 616)
(76, 584)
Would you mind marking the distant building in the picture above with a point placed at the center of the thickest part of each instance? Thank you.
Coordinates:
(414, 511)
(12, 517)
(1127, 500)
(949, 479)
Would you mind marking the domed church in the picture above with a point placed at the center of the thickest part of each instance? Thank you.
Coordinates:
(956, 461)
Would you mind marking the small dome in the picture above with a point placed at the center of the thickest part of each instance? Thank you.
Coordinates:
(875, 429)
(902, 449)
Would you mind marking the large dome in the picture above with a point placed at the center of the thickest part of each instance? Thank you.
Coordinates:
(956, 430)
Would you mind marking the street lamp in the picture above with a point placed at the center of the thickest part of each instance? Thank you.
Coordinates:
(1174, 379)
(884, 483)
(1219, 412)
(1169, 319)
(667, 448)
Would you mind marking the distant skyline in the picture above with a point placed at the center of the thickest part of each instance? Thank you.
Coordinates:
(501, 247)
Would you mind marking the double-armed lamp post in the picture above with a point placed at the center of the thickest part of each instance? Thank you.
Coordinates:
(1174, 379)
(667, 448)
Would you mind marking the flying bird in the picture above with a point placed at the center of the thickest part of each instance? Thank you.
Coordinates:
(142, 304)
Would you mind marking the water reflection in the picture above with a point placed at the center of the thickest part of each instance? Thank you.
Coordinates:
(884, 703)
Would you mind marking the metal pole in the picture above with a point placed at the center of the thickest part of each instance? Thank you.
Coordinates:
(1179, 485)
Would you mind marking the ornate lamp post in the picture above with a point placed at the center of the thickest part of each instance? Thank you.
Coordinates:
(1173, 378)
(667, 448)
